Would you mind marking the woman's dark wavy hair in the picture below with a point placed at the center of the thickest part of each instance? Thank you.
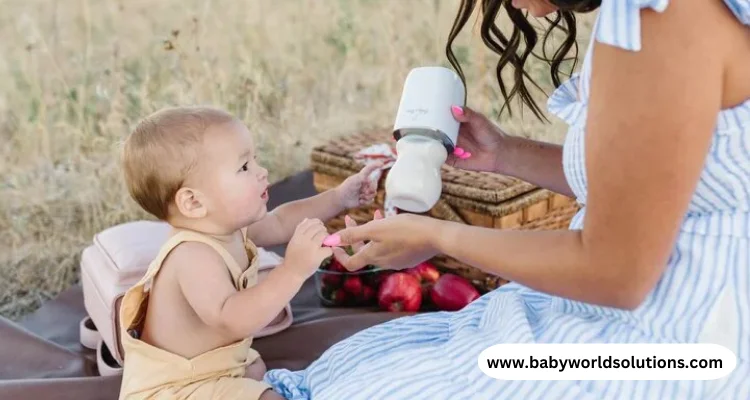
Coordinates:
(509, 49)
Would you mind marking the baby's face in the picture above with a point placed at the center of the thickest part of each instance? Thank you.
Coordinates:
(236, 186)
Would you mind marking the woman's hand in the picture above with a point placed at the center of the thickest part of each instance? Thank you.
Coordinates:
(349, 222)
(480, 138)
(397, 242)
(492, 150)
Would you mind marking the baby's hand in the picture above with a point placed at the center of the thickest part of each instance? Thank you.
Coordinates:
(357, 190)
(305, 251)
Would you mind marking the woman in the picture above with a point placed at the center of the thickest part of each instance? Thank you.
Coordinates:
(658, 153)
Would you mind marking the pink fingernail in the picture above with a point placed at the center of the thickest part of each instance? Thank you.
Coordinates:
(465, 155)
(332, 240)
(458, 151)
(457, 110)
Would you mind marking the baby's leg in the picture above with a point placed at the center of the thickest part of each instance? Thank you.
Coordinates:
(256, 370)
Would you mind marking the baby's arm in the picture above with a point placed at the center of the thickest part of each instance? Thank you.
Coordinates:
(278, 226)
(207, 286)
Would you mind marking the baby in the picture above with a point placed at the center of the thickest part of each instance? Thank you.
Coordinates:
(187, 326)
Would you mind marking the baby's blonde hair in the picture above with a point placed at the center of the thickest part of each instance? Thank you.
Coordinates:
(162, 150)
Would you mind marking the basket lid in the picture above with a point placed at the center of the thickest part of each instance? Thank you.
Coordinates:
(483, 187)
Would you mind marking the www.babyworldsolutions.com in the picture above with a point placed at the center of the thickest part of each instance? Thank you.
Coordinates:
(642, 361)
(603, 362)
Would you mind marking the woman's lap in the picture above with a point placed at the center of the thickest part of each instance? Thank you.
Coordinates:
(435, 355)
(435, 350)
(370, 353)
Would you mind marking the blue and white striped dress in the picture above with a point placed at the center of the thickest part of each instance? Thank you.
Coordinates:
(703, 296)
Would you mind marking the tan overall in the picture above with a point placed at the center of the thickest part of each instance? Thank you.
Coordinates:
(153, 373)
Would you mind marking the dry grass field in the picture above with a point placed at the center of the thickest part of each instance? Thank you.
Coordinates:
(76, 76)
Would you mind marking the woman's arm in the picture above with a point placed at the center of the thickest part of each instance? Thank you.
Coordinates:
(649, 128)
(535, 162)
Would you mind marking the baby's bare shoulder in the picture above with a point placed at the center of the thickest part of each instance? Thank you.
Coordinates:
(193, 258)
(202, 278)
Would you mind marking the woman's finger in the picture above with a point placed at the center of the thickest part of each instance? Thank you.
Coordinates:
(349, 222)
(368, 231)
(343, 257)
(357, 261)
(466, 115)
(454, 161)
(459, 113)
(340, 255)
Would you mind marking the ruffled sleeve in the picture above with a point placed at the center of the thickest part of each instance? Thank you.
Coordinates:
(565, 104)
(619, 22)
(740, 9)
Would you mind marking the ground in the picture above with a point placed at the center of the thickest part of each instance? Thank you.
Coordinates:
(76, 76)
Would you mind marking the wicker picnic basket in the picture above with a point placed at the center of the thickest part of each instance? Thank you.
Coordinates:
(475, 198)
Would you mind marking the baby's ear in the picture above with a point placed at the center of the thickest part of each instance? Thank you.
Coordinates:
(189, 203)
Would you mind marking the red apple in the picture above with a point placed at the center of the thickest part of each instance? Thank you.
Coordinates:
(400, 292)
(353, 285)
(427, 274)
(425, 271)
(452, 292)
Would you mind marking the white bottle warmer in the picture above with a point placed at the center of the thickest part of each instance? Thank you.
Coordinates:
(426, 132)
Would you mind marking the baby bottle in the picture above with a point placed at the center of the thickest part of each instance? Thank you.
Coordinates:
(426, 133)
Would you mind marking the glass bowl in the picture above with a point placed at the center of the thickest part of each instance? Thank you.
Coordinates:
(337, 287)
